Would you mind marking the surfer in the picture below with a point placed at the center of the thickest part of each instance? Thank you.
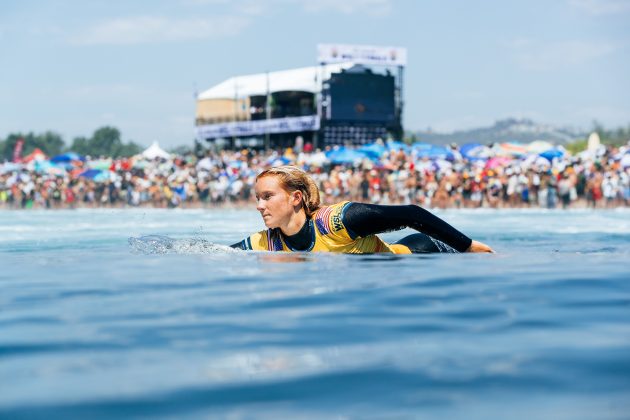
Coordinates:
(288, 201)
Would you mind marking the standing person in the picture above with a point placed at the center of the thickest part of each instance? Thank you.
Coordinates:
(288, 201)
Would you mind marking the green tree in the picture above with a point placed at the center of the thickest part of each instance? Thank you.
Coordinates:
(105, 142)
(129, 149)
(48, 142)
(80, 145)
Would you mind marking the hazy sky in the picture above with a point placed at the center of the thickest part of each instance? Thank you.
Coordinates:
(74, 66)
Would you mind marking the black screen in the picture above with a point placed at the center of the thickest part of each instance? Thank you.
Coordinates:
(362, 97)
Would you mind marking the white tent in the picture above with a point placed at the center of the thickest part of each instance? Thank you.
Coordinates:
(155, 151)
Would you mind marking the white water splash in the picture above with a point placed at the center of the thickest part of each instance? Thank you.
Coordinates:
(159, 244)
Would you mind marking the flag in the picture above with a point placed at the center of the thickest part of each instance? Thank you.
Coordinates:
(17, 150)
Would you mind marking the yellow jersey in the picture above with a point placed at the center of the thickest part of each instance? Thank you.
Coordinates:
(328, 235)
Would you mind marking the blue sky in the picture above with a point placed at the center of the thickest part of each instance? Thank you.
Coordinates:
(74, 66)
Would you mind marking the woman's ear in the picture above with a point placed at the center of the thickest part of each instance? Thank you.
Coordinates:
(296, 197)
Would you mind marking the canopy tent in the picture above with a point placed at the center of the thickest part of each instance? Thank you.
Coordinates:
(36, 154)
(305, 79)
(155, 151)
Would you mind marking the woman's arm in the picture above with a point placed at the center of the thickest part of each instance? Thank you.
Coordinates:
(367, 219)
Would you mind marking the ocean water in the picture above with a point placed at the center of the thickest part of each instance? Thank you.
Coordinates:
(146, 313)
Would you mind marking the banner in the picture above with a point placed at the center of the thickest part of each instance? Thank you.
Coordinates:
(363, 54)
(17, 151)
(258, 127)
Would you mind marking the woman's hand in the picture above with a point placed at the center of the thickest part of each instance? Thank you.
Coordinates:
(477, 246)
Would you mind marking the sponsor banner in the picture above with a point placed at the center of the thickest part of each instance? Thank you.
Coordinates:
(17, 150)
(364, 54)
(253, 128)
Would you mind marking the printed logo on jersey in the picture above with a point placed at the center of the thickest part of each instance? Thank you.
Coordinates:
(336, 219)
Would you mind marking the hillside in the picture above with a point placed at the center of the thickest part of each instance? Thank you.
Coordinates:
(508, 130)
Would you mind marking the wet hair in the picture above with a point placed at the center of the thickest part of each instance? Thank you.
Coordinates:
(293, 179)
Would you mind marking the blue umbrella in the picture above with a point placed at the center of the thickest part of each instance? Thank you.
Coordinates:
(67, 157)
(374, 151)
(474, 151)
(90, 173)
(434, 152)
(551, 154)
(343, 155)
(397, 145)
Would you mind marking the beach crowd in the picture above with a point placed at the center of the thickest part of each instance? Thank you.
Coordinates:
(433, 177)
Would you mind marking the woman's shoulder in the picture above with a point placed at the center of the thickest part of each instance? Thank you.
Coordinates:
(328, 218)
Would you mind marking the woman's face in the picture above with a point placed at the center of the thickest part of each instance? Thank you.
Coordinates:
(276, 206)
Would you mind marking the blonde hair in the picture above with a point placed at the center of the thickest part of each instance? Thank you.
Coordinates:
(293, 179)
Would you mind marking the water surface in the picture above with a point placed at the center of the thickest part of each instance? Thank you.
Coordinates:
(93, 326)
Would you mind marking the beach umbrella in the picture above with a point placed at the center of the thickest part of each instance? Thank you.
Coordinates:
(511, 149)
(538, 146)
(67, 157)
(344, 155)
(534, 161)
(476, 151)
(552, 154)
(397, 145)
(373, 151)
(90, 173)
(441, 164)
(497, 161)
(432, 152)
(100, 164)
(104, 176)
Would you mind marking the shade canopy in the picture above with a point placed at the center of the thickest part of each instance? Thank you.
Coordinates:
(155, 151)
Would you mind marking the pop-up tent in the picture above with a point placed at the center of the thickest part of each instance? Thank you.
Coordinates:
(155, 151)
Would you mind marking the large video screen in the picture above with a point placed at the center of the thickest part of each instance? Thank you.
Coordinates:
(362, 97)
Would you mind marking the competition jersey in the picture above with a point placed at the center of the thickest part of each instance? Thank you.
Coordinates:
(329, 235)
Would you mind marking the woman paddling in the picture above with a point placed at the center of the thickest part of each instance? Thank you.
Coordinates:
(288, 201)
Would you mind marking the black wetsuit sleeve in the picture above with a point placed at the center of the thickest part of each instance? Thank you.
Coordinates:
(241, 245)
(367, 219)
